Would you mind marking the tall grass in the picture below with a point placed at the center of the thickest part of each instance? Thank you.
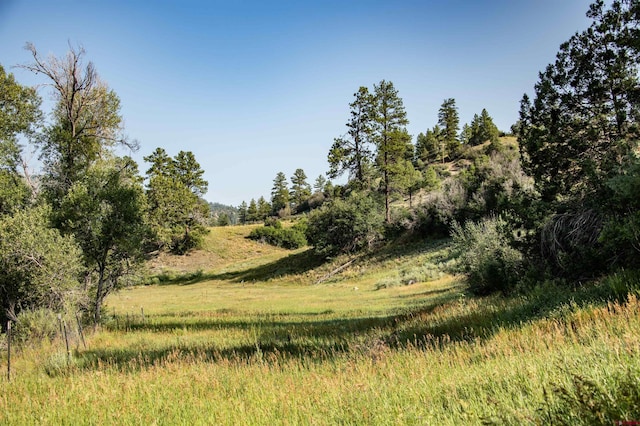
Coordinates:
(218, 351)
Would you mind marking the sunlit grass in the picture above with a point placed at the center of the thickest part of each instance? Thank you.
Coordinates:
(212, 349)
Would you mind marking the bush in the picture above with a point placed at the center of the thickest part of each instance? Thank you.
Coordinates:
(37, 324)
(486, 256)
(345, 226)
(290, 238)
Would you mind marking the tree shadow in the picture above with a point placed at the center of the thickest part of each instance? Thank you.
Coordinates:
(280, 337)
(294, 264)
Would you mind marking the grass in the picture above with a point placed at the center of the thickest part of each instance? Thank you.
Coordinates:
(281, 349)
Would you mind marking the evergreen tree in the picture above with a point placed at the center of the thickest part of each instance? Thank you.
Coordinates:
(300, 189)
(319, 184)
(391, 136)
(449, 121)
(177, 214)
(279, 193)
(483, 129)
(583, 123)
(252, 211)
(579, 140)
(429, 146)
(351, 154)
(264, 209)
(243, 213)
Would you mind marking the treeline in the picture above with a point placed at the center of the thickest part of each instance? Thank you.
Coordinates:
(560, 204)
(83, 225)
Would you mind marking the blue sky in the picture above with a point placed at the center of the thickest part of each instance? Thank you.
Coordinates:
(254, 88)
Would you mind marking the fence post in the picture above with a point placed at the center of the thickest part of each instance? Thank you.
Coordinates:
(142, 312)
(80, 330)
(66, 340)
(8, 350)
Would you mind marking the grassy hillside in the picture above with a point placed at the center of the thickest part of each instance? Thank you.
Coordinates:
(242, 333)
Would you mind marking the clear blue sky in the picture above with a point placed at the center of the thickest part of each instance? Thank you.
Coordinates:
(258, 87)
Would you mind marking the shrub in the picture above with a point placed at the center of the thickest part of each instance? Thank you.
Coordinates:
(345, 226)
(289, 238)
(36, 324)
(486, 256)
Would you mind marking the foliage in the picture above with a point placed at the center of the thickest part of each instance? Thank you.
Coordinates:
(352, 154)
(620, 235)
(20, 115)
(486, 256)
(300, 190)
(393, 143)
(449, 121)
(273, 233)
(345, 226)
(279, 194)
(482, 129)
(39, 268)
(176, 213)
(429, 147)
(86, 120)
(583, 122)
(105, 214)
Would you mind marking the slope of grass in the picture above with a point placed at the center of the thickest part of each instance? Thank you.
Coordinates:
(361, 347)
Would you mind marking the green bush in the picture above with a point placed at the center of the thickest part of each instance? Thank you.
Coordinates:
(36, 324)
(289, 238)
(345, 226)
(486, 256)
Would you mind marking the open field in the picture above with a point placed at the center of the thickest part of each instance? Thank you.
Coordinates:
(251, 337)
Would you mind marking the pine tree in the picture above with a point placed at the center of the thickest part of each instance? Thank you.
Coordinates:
(243, 213)
(352, 154)
(264, 209)
(390, 137)
(449, 121)
(279, 193)
(300, 189)
(252, 211)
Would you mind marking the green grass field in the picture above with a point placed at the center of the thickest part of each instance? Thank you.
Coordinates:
(242, 333)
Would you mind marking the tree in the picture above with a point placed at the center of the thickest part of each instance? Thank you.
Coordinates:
(177, 214)
(105, 214)
(189, 172)
(482, 129)
(449, 120)
(345, 226)
(20, 115)
(95, 196)
(86, 120)
(39, 268)
(279, 194)
(583, 122)
(252, 211)
(264, 208)
(351, 154)
(243, 214)
(429, 147)
(579, 140)
(300, 189)
(223, 220)
(390, 136)
(319, 184)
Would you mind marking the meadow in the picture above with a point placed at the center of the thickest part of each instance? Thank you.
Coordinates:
(244, 333)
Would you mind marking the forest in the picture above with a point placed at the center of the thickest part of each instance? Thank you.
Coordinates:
(547, 207)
